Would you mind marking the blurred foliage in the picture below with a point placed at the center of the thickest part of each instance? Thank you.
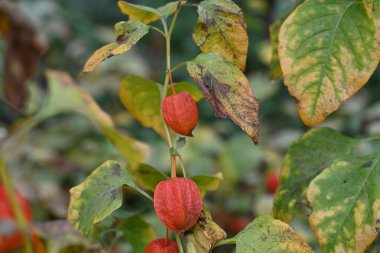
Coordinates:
(61, 151)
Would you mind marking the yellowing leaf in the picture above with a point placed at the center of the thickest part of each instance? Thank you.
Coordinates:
(195, 93)
(227, 90)
(266, 234)
(142, 98)
(127, 35)
(98, 196)
(306, 158)
(221, 29)
(275, 71)
(328, 50)
(147, 14)
(62, 89)
(141, 13)
(346, 204)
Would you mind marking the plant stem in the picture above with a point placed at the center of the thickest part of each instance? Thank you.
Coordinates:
(21, 221)
(182, 166)
(168, 34)
(174, 166)
(157, 30)
(178, 66)
(179, 243)
(144, 193)
(168, 77)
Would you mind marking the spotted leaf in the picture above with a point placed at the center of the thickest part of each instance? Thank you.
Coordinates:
(328, 50)
(346, 204)
(266, 234)
(221, 29)
(227, 90)
(306, 158)
(98, 196)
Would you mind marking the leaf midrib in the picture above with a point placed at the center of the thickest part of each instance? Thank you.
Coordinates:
(328, 55)
(356, 199)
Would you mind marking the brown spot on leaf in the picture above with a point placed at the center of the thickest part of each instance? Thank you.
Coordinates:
(116, 170)
(236, 104)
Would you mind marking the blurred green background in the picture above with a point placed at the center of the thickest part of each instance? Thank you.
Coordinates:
(63, 150)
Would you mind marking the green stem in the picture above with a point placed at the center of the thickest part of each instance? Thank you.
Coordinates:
(144, 193)
(157, 30)
(168, 34)
(179, 243)
(180, 65)
(21, 221)
(225, 242)
(182, 166)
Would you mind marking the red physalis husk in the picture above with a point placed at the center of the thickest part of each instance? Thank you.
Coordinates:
(180, 113)
(178, 203)
(162, 246)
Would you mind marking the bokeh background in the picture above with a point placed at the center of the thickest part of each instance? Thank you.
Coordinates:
(63, 150)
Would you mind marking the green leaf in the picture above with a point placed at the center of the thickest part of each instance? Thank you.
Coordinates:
(266, 234)
(138, 232)
(142, 98)
(127, 35)
(186, 86)
(204, 235)
(275, 71)
(346, 204)
(208, 183)
(98, 196)
(306, 158)
(221, 29)
(147, 176)
(227, 90)
(147, 14)
(62, 89)
(328, 50)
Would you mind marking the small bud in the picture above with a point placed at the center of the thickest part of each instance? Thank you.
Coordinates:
(162, 246)
(178, 203)
(180, 112)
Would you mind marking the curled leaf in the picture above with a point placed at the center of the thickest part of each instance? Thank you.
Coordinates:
(227, 90)
(127, 35)
(204, 235)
